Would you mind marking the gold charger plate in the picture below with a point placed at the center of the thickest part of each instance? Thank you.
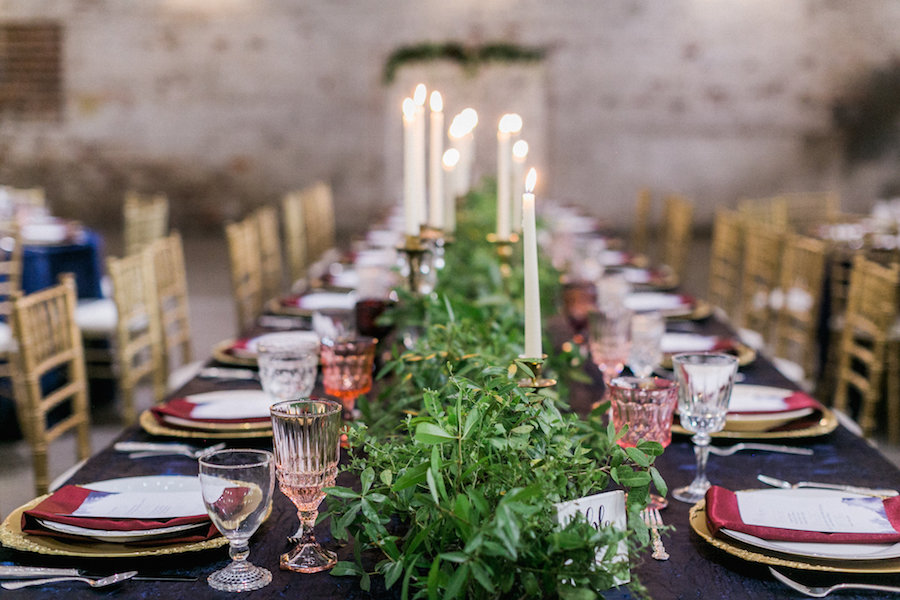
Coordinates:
(745, 355)
(12, 536)
(698, 524)
(221, 354)
(275, 306)
(824, 425)
(149, 424)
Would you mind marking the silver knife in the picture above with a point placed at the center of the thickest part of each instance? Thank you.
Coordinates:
(853, 489)
(20, 572)
(152, 447)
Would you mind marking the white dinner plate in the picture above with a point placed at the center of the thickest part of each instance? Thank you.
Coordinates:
(227, 396)
(829, 551)
(121, 537)
(147, 483)
(668, 304)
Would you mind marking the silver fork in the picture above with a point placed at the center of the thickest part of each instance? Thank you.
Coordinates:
(729, 450)
(821, 592)
(653, 520)
(94, 583)
(197, 453)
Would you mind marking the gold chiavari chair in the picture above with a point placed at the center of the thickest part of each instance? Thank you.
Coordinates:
(318, 206)
(146, 219)
(246, 279)
(805, 209)
(175, 320)
(270, 252)
(797, 307)
(10, 285)
(726, 262)
(295, 237)
(761, 270)
(863, 352)
(138, 344)
(49, 348)
(772, 212)
(640, 232)
(677, 232)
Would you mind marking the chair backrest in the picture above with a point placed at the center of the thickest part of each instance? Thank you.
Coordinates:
(295, 236)
(269, 251)
(677, 223)
(48, 372)
(805, 209)
(799, 302)
(640, 232)
(726, 262)
(10, 268)
(138, 343)
(172, 296)
(318, 212)
(246, 278)
(146, 219)
(760, 276)
(871, 311)
(772, 212)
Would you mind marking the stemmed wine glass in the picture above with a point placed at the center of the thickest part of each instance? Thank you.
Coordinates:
(609, 339)
(237, 491)
(646, 406)
(705, 381)
(288, 364)
(647, 330)
(347, 365)
(307, 435)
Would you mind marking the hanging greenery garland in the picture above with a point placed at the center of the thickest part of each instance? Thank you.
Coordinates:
(470, 58)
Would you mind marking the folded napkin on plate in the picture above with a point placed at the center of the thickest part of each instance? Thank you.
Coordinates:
(243, 348)
(755, 404)
(673, 343)
(60, 506)
(321, 301)
(251, 409)
(722, 512)
(645, 301)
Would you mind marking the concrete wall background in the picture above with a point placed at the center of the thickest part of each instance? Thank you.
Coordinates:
(227, 104)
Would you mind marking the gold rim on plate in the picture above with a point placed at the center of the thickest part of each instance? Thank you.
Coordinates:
(698, 524)
(221, 353)
(826, 424)
(12, 536)
(151, 425)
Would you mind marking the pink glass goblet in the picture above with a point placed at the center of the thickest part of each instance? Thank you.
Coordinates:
(347, 365)
(609, 340)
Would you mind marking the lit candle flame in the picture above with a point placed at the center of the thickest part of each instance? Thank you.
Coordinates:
(409, 109)
(530, 180)
(510, 123)
(420, 94)
(451, 158)
(437, 103)
(520, 149)
(463, 124)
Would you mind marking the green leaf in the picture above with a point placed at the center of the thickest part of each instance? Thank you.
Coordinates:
(387, 476)
(432, 486)
(432, 581)
(454, 557)
(413, 476)
(482, 576)
(471, 419)
(522, 430)
(630, 478)
(366, 478)
(638, 457)
(429, 433)
(341, 492)
(344, 568)
(392, 573)
(658, 481)
(568, 592)
(457, 582)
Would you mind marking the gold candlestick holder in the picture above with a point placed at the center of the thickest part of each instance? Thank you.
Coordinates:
(415, 251)
(536, 382)
(504, 251)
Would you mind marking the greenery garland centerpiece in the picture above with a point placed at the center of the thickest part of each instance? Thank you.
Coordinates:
(470, 58)
(460, 468)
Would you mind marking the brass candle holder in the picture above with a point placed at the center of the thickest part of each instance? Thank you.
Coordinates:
(504, 251)
(434, 238)
(536, 382)
(415, 251)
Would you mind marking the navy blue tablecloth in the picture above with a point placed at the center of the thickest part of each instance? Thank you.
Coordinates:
(43, 263)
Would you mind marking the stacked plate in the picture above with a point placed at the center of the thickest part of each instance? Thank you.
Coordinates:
(220, 412)
(242, 351)
(675, 343)
(316, 301)
(761, 408)
(670, 305)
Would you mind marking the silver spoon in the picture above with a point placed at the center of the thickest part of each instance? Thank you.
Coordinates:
(94, 583)
(729, 450)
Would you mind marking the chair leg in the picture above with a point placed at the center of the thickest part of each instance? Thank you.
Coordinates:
(40, 467)
(893, 391)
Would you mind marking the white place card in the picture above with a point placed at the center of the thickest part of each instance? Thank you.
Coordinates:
(141, 505)
(606, 509)
(828, 513)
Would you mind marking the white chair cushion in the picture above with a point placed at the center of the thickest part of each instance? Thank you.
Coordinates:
(7, 345)
(96, 317)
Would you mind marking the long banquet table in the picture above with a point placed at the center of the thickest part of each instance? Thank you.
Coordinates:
(695, 569)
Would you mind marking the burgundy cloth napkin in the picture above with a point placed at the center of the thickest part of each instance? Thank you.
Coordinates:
(722, 513)
(58, 508)
(182, 408)
(796, 401)
(241, 348)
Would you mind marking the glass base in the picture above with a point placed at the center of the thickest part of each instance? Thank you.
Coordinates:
(239, 577)
(692, 494)
(657, 502)
(308, 558)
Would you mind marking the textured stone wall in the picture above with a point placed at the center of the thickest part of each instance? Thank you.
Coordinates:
(226, 104)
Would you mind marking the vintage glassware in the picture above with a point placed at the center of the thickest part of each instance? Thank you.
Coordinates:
(646, 405)
(288, 364)
(347, 365)
(647, 330)
(609, 339)
(705, 381)
(306, 437)
(237, 491)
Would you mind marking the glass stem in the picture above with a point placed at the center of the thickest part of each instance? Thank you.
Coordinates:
(239, 551)
(701, 451)
(307, 523)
